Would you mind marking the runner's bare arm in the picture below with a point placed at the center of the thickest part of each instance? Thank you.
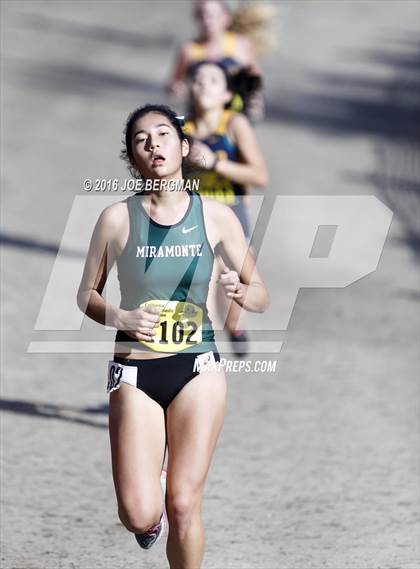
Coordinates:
(103, 250)
(176, 85)
(240, 278)
(252, 170)
(99, 261)
(248, 53)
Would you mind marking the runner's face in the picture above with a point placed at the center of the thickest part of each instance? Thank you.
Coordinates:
(157, 150)
(209, 89)
(212, 18)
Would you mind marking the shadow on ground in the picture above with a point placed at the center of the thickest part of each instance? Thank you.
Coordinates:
(62, 412)
(78, 79)
(385, 109)
(84, 30)
(356, 104)
(24, 242)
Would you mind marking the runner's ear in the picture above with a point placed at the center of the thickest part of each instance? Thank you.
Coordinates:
(185, 148)
(228, 97)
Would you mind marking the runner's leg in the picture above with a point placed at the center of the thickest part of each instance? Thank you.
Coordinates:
(194, 421)
(137, 436)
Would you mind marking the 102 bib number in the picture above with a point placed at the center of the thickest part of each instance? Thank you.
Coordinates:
(180, 326)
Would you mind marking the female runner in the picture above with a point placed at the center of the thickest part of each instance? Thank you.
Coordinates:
(163, 243)
(226, 149)
(217, 41)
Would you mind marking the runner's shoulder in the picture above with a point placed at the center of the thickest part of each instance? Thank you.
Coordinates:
(114, 216)
(237, 125)
(238, 120)
(186, 50)
(244, 48)
(217, 212)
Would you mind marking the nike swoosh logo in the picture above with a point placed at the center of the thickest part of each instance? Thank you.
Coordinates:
(189, 229)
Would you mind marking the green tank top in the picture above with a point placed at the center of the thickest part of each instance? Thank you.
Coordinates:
(168, 266)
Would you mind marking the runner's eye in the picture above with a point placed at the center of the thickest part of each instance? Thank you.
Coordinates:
(163, 133)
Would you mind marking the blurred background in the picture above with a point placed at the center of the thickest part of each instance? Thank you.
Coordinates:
(317, 465)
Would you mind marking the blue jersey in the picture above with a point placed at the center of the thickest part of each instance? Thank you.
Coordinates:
(212, 184)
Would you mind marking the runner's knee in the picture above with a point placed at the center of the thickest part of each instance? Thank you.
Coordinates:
(182, 506)
(139, 519)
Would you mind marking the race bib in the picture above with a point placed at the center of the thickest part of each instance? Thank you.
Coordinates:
(180, 326)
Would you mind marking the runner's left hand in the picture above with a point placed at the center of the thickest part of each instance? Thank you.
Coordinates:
(231, 283)
(201, 155)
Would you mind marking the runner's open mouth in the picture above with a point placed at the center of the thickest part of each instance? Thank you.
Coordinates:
(158, 160)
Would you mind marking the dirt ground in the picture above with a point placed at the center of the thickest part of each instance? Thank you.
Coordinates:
(317, 465)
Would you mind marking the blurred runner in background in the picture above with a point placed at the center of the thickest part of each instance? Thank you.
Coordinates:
(228, 159)
(231, 39)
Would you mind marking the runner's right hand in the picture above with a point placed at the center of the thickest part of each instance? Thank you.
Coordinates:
(140, 323)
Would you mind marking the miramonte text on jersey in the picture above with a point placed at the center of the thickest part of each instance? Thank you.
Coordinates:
(192, 250)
